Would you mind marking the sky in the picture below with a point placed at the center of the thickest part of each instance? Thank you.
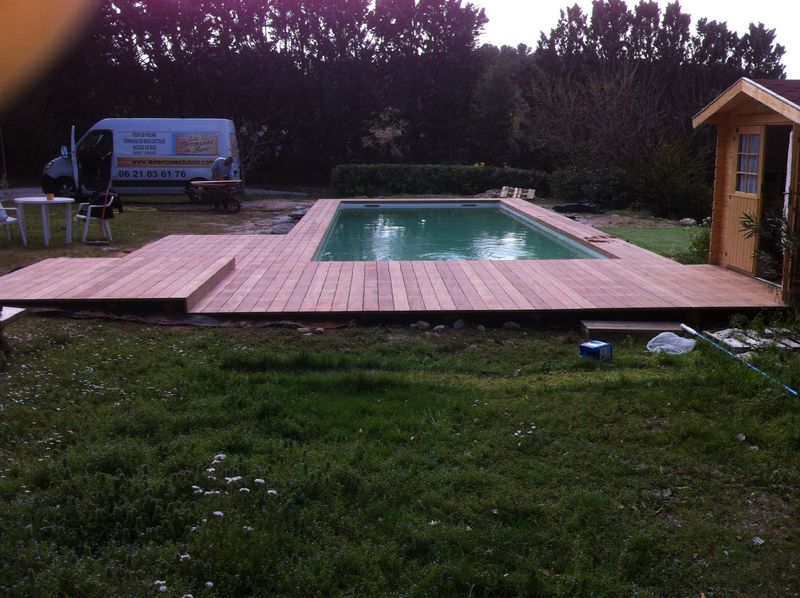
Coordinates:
(512, 22)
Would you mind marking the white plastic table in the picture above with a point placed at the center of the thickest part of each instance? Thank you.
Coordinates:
(41, 200)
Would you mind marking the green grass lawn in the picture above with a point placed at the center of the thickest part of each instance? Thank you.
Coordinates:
(669, 242)
(388, 462)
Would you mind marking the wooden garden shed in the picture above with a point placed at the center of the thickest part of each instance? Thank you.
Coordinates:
(757, 173)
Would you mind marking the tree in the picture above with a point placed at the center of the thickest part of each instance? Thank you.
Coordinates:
(760, 55)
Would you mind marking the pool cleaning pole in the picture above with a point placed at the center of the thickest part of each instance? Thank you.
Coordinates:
(769, 377)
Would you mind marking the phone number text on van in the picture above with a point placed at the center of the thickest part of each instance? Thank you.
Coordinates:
(151, 174)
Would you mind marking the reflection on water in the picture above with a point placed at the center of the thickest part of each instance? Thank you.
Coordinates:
(441, 234)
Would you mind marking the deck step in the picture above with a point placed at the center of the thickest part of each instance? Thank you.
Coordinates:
(598, 329)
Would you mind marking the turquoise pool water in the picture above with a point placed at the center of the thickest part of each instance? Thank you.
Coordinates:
(442, 232)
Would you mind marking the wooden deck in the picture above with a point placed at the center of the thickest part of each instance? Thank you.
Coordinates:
(276, 275)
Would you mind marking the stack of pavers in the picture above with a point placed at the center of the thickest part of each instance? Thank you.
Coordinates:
(742, 341)
(518, 193)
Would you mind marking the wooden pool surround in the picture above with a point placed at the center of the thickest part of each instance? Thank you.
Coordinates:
(275, 275)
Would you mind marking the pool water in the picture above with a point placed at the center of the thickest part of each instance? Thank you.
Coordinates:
(443, 233)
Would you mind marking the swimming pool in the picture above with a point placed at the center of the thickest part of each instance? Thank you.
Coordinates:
(442, 231)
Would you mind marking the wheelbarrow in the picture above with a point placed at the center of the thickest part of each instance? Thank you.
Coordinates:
(219, 194)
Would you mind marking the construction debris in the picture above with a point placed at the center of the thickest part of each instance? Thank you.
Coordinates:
(740, 340)
(517, 193)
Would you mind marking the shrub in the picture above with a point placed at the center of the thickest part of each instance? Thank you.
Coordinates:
(697, 251)
(429, 179)
(610, 187)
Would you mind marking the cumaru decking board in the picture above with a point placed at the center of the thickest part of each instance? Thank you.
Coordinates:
(276, 274)
(108, 279)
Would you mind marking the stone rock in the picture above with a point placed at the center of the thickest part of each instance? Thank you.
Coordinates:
(458, 324)
(281, 228)
(481, 328)
(511, 326)
(421, 325)
(304, 330)
(687, 222)
(440, 328)
(298, 214)
(319, 331)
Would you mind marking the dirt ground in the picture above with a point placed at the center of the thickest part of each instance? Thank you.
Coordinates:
(621, 218)
(257, 216)
(625, 220)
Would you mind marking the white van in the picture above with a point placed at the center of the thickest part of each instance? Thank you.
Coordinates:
(142, 156)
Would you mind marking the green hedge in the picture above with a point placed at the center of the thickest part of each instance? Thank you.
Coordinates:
(350, 180)
(610, 187)
(671, 182)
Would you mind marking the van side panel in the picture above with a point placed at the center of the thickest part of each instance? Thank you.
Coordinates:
(161, 156)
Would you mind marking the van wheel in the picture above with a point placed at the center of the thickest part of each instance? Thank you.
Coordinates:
(64, 187)
(232, 205)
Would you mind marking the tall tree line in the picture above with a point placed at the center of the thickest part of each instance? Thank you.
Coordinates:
(320, 82)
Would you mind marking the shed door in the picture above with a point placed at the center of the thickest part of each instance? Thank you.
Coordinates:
(746, 197)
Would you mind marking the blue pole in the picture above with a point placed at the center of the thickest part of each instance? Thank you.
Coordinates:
(769, 377)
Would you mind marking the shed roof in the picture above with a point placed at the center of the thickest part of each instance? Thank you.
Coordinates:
(780, 95)
(789, 89)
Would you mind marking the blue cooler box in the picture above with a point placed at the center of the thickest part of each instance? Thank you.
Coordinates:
(596, 350)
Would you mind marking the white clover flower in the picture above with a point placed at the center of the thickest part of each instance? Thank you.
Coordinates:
(209, 584)
(244, 490)
(211, 470)
(247, 528)
(272, 492)
(234, 479)
(218, 513)
(185, 556)
(434, 522)
(259, 481)
(197, 489)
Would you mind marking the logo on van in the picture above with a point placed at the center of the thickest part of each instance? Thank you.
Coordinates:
(196, 144)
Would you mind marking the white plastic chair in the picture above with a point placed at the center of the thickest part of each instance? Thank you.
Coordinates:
(95, 212)
(6, 221)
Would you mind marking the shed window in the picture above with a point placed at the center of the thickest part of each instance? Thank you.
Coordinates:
(747, 163)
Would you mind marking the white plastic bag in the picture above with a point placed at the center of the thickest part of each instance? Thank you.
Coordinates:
(670, 343)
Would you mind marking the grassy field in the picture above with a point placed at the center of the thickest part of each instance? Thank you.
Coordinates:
(388, 462)
(671, 242)
(382, 461)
